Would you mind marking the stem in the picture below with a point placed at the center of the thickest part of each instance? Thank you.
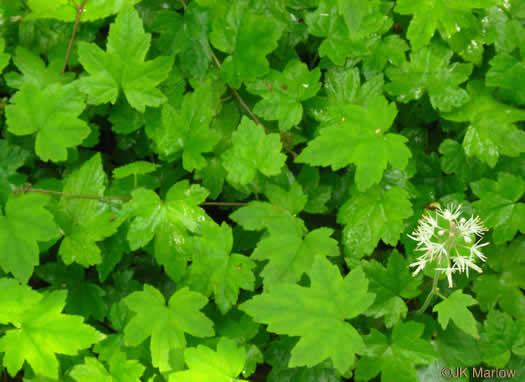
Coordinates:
(80, 9)
(431, 294)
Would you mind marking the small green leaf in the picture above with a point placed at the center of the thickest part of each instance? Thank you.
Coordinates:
(166, 325)
(454, 308)
(135, 168)
(252, 151)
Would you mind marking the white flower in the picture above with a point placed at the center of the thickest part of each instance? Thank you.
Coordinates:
(448, 242)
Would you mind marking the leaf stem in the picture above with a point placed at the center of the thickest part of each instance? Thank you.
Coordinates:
(433, 291)
(80, 10)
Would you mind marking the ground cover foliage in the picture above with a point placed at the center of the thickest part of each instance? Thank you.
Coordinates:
(212, 190)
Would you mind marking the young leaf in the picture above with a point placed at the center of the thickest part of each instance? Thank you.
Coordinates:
(187, 129)
(283, 92)
(26, 221)
(235, 34)
(216, 270)
(122, 65)
(395, 355)
(252, 151)
(85, 221)
(359, 138)
(166, 325)
(371, 216)
(491, 131)
(204, 364)
(291, 254)
(323, 308)
(51, 113)
(429, 71)
(167, 221)
(455, 307)
(391, 285)
(41, 331)
(499, 205)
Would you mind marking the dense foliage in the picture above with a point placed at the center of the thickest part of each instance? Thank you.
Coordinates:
(218, 190)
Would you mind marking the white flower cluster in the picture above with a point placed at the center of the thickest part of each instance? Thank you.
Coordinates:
(449, 242)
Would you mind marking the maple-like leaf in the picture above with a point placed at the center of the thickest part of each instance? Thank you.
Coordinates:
(454, 308)
(12, 157)
(85, 221)
(65, 11)
(371, 216)
(94, 371)
(216, 270)
(187, 129)
(491, 131)
(252, 151)
(122, 65)
(166, 325)
(429, 71)
(447, 16)
(391, 285)
(235, 34)
(317, 314)
(205, 365)
(290, 253)
(395, 355)
(25, 222)
(499, 205)
(360, 138)
(52, 113)
(283, 92)
(167, 222)
(41, 330)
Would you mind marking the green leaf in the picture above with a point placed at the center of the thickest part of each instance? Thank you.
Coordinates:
(455, 161)
(371, 216)
(51, 113)
(122, 65)
(41, 331)
(359, 138)
(166, 325)
(499, 205)
(491, 131)
(167, 221)
(11, 159)
(390, 286)
(252, 151)
(84, 298)
(291, 253)
(500, 337)
(235, 34)
(186, 37)
(454, 308)
(63, 9)
(4, 57)
(216, 270)
(449, 17)
(34, 71)
(353, 12)
(204, 364)
(504, 287)
(187, 129)
(429, 71)
(85, 221)
(394, 355)
(93, 370)
(506, 73)
(282, 93)
(25, 222)
(135, 168)
(323, 307)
